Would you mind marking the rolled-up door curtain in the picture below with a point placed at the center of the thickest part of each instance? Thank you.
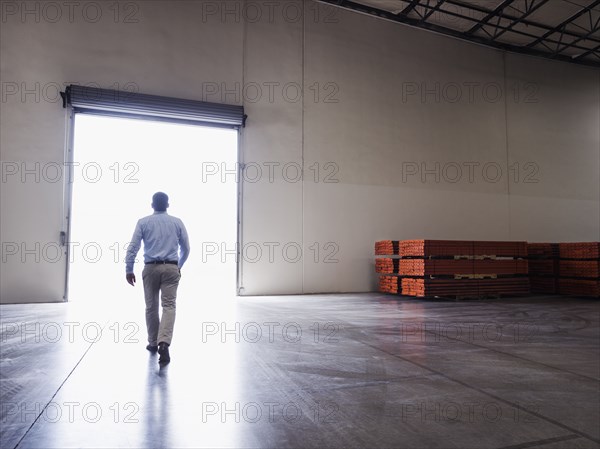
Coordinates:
(120, 103)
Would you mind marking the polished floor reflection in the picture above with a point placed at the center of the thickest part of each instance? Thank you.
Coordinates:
(360, 370)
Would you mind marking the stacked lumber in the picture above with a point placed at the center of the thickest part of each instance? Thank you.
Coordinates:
(452, 268)
(547, 250)
(466, 266)
(565, 268)
(439, 248)
(389, 284)
(579, 250)
(387, 265)
(579, 287)
(463, 268)
(546, 285)
(465, 288)
(386, 248)
(579, 269)
(543, 267)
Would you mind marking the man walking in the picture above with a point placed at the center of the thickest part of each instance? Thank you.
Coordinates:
(163, 235)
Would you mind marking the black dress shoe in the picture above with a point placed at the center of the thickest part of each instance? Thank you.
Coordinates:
(163, 350)
(152, 348)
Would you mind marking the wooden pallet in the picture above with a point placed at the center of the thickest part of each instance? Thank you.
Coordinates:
(465, 287)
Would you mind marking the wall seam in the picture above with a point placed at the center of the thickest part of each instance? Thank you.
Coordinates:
(506, 144)
(303, 44)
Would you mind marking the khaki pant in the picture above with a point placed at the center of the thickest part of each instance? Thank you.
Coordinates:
(163, 278)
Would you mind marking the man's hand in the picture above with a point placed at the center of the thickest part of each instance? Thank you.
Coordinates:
(130, 278)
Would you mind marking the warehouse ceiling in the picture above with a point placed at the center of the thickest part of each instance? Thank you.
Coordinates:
(566, 30)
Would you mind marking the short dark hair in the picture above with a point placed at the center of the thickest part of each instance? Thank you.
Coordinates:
(160, 201)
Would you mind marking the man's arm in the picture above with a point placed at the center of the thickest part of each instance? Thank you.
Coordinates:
(184, 246)
(132, 250)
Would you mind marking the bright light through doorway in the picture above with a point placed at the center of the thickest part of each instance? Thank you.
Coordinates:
(119, 164)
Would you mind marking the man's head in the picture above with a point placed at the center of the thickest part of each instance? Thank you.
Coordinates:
(160, 201)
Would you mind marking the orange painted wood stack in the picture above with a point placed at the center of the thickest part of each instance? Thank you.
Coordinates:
(452, 268)
(543, 267)
(462, 268)
(387, 267)
(386, 248)
(579, 269)
(389, 284)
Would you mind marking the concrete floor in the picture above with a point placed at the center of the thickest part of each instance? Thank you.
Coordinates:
(360, 370)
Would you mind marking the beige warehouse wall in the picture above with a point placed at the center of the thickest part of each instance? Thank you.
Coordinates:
(560, 134)
(382, 104)
(438, 138)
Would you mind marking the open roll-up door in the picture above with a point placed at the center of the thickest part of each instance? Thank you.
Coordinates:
(125, 104)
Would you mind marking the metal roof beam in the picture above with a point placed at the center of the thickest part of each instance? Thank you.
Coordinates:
(564, 23)
(496, 12)
(433, 10)
(595, 51)
(410, 7)
(482, 10)
(375, 12)
(498, 27)
(521, 19)
(593, 29)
